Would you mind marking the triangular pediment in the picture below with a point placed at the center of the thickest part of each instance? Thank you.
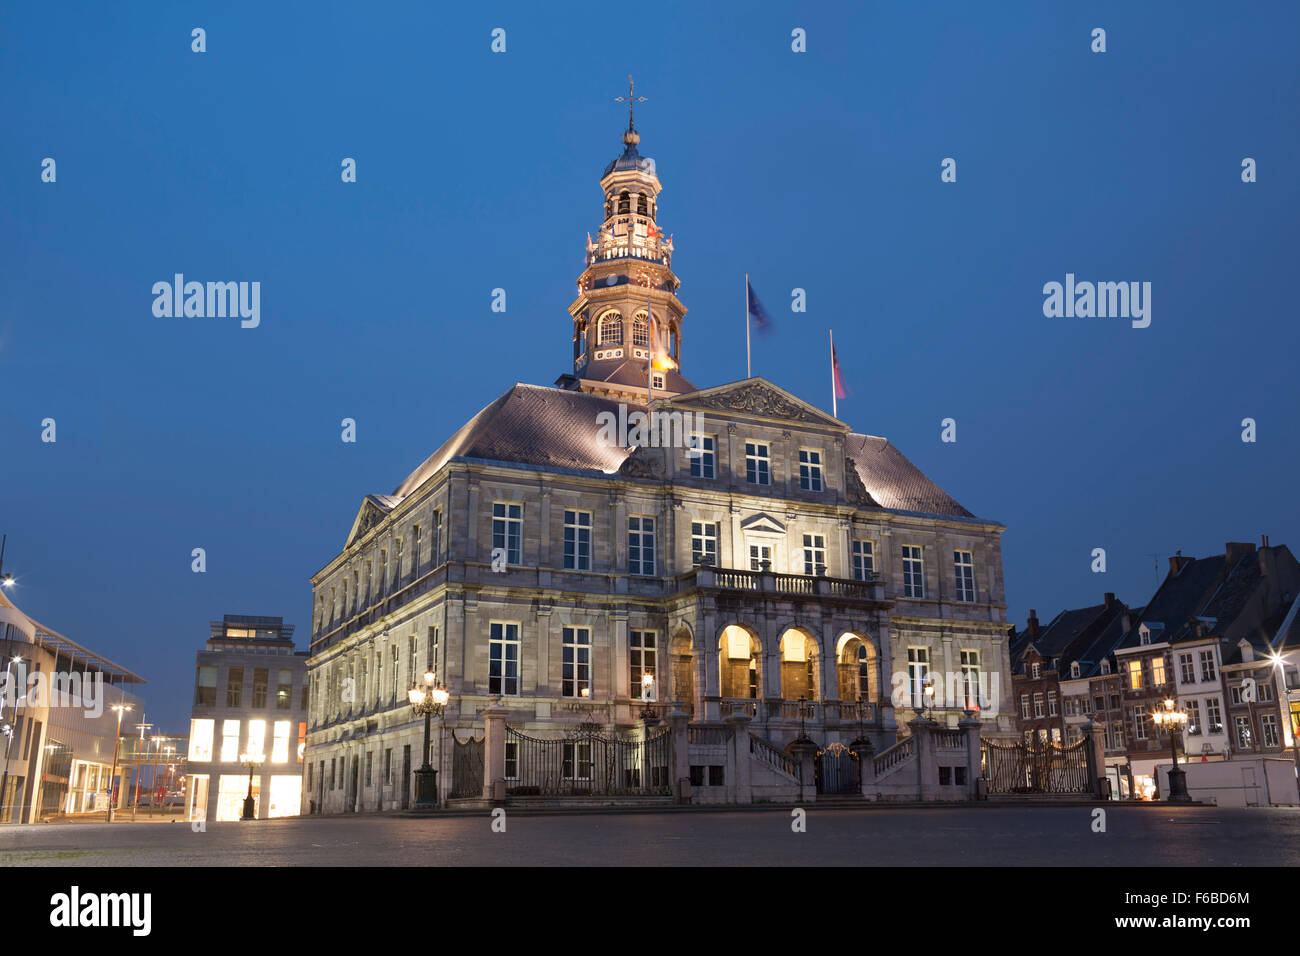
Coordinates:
(758, 398)
(374, 509)
(762, 523)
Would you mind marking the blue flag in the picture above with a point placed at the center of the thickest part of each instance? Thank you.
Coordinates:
(762, 321)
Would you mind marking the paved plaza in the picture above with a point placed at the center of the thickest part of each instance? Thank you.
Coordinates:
(997, 836)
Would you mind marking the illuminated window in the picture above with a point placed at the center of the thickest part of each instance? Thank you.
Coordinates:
(280, 742)
(230, 741)
(201, 732)
(256, 748)
(1135, 675)
(1244, 740)
(610, 329)
(970, 678)
(1157, 670)
(640, 329)
(1268, 730)
(302, 739)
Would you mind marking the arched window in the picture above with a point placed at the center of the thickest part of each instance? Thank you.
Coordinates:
(610, 329)
(641, 205)
(609, 207)
(640, 330)
(624, 202)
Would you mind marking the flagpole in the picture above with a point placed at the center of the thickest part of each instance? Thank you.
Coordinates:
(835, 405)
(748, 373)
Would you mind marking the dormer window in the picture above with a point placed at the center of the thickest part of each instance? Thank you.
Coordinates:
(657, 380)
(1074, 668)
(1144, 636)
(1105, 667)
(1035, 670)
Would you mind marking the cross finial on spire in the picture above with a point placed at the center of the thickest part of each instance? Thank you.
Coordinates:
(630, 99)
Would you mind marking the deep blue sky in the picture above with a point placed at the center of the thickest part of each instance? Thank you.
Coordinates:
(818, 170)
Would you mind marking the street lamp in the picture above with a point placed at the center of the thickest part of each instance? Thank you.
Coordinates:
(429, 701)
(927, 688)
(1172, 721)
(253, 761)
(120, 709)
(649, 695)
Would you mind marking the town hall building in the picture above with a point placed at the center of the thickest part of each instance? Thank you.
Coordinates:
(711, 616)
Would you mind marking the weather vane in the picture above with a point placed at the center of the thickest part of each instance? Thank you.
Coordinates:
(630, 99)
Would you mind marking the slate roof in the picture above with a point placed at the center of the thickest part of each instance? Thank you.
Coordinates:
(1091, 656)
(631, 372)
(1180, 597)
(895, 482)
(558, 428)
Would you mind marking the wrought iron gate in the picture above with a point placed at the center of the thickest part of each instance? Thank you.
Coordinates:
(586, 762)
(466, 767)
(838, 770)
(1039, 766)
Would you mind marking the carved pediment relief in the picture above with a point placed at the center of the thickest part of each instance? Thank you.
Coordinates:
(757, 397)
(643, 463)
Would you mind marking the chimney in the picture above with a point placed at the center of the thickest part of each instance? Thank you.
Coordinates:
(1109, 598)
(1032, 627)
(1236, 550)
(1177, 563)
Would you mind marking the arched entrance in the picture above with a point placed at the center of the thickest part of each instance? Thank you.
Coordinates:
(838, 770)
(740, 664)
(856, 670)
(799, 671)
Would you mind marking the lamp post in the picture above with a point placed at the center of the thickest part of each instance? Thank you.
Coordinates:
(139, 766)
(927, 688)
(8, 731)
(428, 700)
(120, 709)
(649, 695)
(253, 761)
(1172, 721)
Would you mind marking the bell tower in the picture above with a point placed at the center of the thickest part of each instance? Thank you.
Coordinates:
(627, 319)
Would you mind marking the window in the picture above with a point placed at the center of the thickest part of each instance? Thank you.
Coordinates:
(1069, 707)
(1036, 670)
(433, 652)
(1117, 735)
(205, 687)
(576, 667)
(918, 665)
(383, 571)
(503, 659)
(610, 329)
(759, 554)
(256, 746)
(1074, 669)
(1186, 672)
(758, 464)
(1213, 716)
(235, 687)
(1099, 703)
(230, 741)
(508, 531)
(1244, 739)
(1105, 666)
(1193, 708)
(1268, 730)
(913, 572)
(970, 679)
(1114, 701)
(577, 540)
(201, 740)
(864, 561)
(577, 760)
(640, 329)
(1024, 706)
(864, 673)
(641, 658)
(435, 536)
(814, 554)
(280, 744)
(1038, 705)
(1140, 719)
(1234, 694)
(1207, 665)
(397, 674)
(641, 545)
(388, 765)
(415, 557)
(260, 677)
(704, 457)
(283, 690)
(1051, 703)
(704, 542)
(964, 566)
(1265, 691)
(1158, 676)
(1135, 675)
(810, 470)
(657, 380)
